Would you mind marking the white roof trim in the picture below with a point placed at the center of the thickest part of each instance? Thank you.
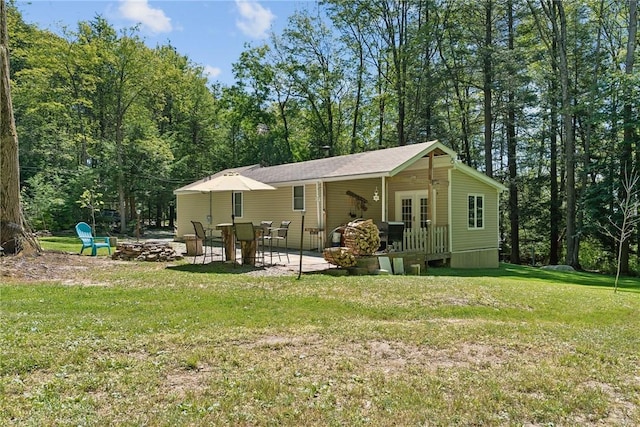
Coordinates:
(458, 165)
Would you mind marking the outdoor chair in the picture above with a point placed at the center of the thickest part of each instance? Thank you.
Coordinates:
(246, 234)
(266, 235)
(201, 234)
(281, 236)
(88, 241)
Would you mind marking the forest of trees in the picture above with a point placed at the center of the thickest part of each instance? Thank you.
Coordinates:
(541, 95)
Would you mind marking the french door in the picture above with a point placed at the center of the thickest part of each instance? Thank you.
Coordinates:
(412, 208)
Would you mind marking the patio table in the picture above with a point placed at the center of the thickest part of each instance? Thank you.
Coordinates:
(247, 249)
(228, 240)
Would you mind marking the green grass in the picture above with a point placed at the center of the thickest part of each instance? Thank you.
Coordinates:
(193, 345)
(67, 244)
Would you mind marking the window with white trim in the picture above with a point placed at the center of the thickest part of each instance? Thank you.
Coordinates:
(237, 204)
(476, 211)
(298, 197)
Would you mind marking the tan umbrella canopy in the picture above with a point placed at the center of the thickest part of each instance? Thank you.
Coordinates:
(231, 181)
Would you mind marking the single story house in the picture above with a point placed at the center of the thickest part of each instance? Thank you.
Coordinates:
(443, 207)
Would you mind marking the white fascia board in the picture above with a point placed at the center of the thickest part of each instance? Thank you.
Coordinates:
(435, 145)
(468, 170)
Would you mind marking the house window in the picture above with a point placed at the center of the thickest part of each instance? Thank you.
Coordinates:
(298, 198)
(476, 211)
(237, 205)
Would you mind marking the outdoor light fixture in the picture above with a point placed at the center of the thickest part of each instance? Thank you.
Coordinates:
(376, 196)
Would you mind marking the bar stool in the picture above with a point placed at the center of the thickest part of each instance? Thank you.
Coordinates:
(266, 236)
(281, 235)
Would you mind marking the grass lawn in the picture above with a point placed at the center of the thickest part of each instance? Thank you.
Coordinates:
(67, 244)
(152, 344)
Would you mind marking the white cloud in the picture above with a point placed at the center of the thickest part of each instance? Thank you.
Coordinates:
(212, 72)
(152, 19)
(255, 20)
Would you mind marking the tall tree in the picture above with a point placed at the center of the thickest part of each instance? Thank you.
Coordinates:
(395, 18)
(129, 73)
(630, 125)
(13, 235)
(569, 137)
(514, 211)
(555, 12)
(487, 73)
(317, 71)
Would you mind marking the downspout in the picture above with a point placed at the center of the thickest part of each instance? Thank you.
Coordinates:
(498, 194)
(449, 194)
(319, 216)
(430, 200)
(384, 199)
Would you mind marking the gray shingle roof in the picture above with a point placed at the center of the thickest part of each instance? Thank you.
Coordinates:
(385, 162)
(352, 166)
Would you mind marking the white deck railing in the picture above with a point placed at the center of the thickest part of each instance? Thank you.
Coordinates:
(431, 240)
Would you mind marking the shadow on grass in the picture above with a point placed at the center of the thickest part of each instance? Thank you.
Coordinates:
(526, 273)
(215, 268)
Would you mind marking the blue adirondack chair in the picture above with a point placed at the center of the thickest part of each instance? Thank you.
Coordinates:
(88, 241)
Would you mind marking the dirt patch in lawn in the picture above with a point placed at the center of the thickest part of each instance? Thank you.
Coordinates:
(50, 266)
(384, 356)
(75, 269)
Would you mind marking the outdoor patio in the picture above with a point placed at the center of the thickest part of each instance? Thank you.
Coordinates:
(312, 261)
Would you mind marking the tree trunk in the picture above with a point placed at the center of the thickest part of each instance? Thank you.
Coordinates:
(487, 74)
(554, 204)
(356, 113)
(398, 46)
(626, 161)
(13, 236)
(120, 172)
(569, 142)
(554, 186)
(514, 214)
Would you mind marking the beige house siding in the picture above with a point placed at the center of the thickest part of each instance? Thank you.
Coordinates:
(193, 207)
(339, 206)
(464, 239)
(275, 205)
(196, 207)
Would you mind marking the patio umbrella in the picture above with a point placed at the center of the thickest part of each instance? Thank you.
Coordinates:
(231, 181)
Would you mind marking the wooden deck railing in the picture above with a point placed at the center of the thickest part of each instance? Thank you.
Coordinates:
(431, 240)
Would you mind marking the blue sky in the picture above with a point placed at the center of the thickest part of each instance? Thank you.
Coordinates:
(212, 33)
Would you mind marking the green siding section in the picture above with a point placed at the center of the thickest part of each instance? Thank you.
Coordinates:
(475, 259)
(441, 176)
(463, 238)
